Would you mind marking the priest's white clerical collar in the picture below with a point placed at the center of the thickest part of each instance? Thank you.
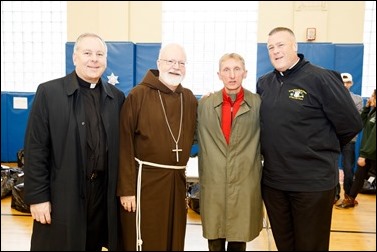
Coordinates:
(282, 73)
(93, 85)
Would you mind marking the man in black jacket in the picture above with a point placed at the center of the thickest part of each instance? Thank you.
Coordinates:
(306, 116)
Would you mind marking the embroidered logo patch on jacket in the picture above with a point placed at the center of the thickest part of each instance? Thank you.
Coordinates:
(297, 94)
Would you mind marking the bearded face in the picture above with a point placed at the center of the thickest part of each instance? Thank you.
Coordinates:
(172, 64)
(171, 78)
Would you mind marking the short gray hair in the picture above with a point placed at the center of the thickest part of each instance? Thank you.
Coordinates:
(85, 35)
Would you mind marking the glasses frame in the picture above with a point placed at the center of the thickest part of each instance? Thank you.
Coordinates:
(173, 62)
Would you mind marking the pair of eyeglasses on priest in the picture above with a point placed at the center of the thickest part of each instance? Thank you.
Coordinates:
(173, 62)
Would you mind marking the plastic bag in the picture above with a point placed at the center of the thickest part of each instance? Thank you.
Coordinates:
(9, 178)
(194, 194)
(20, 158)
(18, 202)
(369, 186)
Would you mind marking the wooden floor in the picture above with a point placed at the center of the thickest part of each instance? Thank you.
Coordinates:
(351, 230)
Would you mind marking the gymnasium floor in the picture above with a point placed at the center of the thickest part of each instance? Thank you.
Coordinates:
(351, 230)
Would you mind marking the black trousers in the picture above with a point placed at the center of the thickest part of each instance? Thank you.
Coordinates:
(299, 220)
(361, 174)
(348, 163)
(96, 235)
(219, 245)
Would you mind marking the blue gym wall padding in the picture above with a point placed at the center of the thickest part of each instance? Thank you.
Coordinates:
(4, 127)
(321, 54)
(16, 121)
(349, 59)
(146, 57)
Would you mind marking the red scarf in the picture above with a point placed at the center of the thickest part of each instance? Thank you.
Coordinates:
(229, 110)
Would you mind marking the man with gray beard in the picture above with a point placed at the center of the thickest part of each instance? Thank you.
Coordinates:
(157, 128)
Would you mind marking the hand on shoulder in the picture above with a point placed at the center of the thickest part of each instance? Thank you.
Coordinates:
(206, 95)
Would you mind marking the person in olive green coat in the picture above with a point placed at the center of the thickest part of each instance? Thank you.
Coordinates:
(230, 164)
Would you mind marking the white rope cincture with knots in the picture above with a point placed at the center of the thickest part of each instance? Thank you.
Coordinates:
(139, 241)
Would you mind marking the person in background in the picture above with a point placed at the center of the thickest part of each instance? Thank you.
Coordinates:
(230, 167)
(303, 113)
(71, 156)
(348, 151)
(367, 154)
(158, 123)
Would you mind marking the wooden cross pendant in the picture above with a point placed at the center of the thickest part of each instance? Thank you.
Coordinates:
(176, 151)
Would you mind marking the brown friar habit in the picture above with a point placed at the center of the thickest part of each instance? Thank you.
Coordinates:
(144, 134)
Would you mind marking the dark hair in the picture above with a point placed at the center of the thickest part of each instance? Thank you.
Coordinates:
(279, 29)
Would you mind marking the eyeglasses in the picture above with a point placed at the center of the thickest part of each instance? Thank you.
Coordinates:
(173, 62)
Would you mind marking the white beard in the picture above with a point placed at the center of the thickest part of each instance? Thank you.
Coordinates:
(171, 80)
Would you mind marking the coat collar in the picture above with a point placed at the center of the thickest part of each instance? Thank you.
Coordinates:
(218, 98)
(71, 84)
